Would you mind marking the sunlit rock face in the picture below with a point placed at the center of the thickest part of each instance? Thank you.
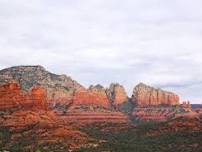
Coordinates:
(94, 96)
(11, 96)
(60, 88)
(144, 95)
(117, 95)
(38, 97)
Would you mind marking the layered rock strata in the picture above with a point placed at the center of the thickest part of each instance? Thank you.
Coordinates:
(11, 96)
(59, 87)
(144, 95)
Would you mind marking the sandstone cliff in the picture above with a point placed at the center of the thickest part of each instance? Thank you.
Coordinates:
(11, 96)
(117, 95)
(94, 96)
(144, 95)
(59, 87)
(62, 91)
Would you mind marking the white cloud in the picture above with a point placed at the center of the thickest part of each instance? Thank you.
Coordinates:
(103, 41)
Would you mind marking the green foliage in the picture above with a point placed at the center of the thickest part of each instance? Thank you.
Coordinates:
(126, 107)
(51, 148)
(135, 141)
(4, 136)
(130, 140)
(38, 150)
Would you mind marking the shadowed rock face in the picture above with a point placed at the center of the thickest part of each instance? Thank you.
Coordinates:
(116, 94)
(58, 86)
(144, 95)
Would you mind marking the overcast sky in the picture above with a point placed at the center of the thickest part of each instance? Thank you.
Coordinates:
(158, 42)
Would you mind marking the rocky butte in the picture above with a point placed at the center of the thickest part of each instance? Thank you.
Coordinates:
(62, 92)
(144, 95)
(116, 95)
(60, 88)
(94, 96)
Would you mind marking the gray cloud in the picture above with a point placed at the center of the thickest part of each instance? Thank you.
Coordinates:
(157, 42)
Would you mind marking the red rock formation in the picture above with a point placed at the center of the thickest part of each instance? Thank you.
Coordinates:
(37, 96)
(40, 128)
(144, 95)
(90, 98)
(186, 104)
(117, 95)
(92, 117)
(155, 113)
(11, 96)
(180, 124)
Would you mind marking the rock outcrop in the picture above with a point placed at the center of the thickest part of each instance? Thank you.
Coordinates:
(94, 96)
(62, 91)
(180, 124)
(144, 95)
(117, 95)
(58, 86)
(31, 129)
(11, 96)
(142, 114)
(38, 97)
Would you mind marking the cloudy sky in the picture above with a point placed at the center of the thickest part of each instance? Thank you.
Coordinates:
(158, 42)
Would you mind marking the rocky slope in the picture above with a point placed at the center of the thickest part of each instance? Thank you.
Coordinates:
(62, 91)
(144, 95)
(158, 114)
(180, 124)
(26, 122)
(59, 87)
(25, 130)
(31, 117)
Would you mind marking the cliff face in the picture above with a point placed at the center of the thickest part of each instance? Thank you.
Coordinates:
(37, 96)
(144, 95)
(116, 94)
(94, 96)
(58, 87)
(111, 97)
(11, 96)
(62, 91)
